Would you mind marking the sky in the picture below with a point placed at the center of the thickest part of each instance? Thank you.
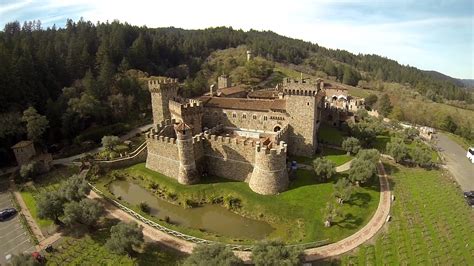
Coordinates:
(428, 34)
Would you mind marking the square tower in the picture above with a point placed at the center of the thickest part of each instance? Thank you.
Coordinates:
(24, 151)
(162, 91)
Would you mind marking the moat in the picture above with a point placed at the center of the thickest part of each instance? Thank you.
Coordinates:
(211, 218)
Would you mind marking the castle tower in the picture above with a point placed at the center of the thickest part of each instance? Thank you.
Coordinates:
(223, 81)
(269, 175)
(303, 101)
(249, 55)
(187, 173)
(162, 90)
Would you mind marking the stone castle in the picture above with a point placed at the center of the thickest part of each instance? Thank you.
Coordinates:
(235, 133)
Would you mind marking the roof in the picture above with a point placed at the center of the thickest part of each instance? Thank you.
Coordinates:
(182, 126)
(230, 91)
(244, 103)
(22, 144)
(270, 94)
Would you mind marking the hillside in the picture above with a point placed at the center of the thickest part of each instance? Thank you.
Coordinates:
(87, 79)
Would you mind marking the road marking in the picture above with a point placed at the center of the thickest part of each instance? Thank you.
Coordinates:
(12, 222)
(24, 234)
(14, 230)
(8, 251)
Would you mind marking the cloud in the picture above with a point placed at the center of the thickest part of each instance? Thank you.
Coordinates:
(427, 34)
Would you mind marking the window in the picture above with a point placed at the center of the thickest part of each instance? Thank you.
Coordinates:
(234, 115)
(254, 116)
(244, 116)
(265, 118)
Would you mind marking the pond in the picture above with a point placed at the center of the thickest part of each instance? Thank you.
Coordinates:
(210, 217)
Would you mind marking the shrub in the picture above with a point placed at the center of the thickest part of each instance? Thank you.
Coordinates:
(397, 149)
(154, 185)
(276, 253)
(124, 237)
(324, 168)
(216, 254)
(351, 145)
(232, 203)
(144, 207)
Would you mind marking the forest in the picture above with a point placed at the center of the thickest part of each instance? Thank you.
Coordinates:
(86, 77)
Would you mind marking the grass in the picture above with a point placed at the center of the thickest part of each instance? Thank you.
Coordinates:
(338, 157)
(296, 214)
(431, 224)
(90, 250)
(331, 135)
(30, 202)
(44, 183)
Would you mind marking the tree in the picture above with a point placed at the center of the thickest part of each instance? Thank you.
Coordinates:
(397, 149)
(331, 212)
(109, 142)
(23, 260)
(421, 156)
(36, 124)
(343, 190)
(29, 171)
(75, 188)
(212, 255)
(50, 205)
(86, 212)
(384, 105)
(364, 166)
(411, 133)
(449, 124)
(324, 168)
(370, 101)
(362, 114)
(351, 145)
(275, 253)
(123, 237)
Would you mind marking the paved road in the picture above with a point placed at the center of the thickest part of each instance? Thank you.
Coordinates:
(456, 161)
(14, 239)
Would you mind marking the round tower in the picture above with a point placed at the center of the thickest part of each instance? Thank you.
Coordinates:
(269, 175)
(187, 173)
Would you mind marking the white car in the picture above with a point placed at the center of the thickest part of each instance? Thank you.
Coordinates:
(470, 154)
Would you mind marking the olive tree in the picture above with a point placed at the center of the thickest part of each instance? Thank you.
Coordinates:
(324, 168)
(109, 142)
(275, 253)
(75, 188)
(212, 255)
(343, 190)
(50, 205)
(397, 149)
(351, 145)
(124, 237)
(86, 212)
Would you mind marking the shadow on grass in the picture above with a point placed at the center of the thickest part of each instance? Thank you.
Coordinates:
(349, 221)
(215, 179)
(360, 199)
(155, 254)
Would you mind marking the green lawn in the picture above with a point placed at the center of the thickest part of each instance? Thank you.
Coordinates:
(90, 250)
(295, 214)
(338, 157)
(30, 202)
(331, 135)
(44, 183)
(431, 224)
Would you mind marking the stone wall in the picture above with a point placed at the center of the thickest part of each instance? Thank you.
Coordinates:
(255, 120)
(138, 156)
(163, 155)
(229, 157)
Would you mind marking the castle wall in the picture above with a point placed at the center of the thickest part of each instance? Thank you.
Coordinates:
(270, 175)
(229, 157)
(245, 119)
(163, 155)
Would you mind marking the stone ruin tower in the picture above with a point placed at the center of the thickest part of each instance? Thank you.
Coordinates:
(269, 175)
(187, 173)
(162, 91)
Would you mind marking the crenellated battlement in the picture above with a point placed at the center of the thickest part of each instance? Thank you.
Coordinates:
(157, 85)
(163, 139)
(191, 107)
(282, 134)
(160, 127)
(281, 149)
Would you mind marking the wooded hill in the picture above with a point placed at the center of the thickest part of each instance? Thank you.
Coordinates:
(89, 75)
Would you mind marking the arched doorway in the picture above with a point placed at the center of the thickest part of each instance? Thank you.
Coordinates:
(276, 128)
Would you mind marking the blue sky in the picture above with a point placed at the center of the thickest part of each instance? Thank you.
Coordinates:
(430, 34)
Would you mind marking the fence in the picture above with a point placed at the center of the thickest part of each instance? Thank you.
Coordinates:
(194, 239)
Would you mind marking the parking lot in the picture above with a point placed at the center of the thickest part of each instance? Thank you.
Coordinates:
(14, 239)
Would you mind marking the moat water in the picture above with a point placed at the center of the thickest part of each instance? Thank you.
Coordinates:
(211, 218)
